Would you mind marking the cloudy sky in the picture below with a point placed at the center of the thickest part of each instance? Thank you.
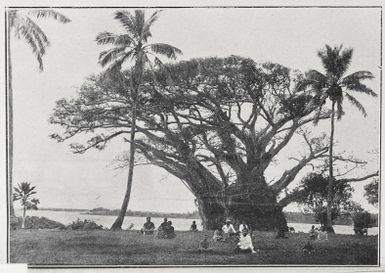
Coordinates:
(287, 36)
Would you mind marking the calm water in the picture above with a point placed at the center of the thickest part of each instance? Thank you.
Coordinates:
(66, 218)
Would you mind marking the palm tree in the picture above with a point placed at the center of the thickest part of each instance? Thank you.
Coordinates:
(23, 192)
(132, 47)
(24, 27)
(336, 86)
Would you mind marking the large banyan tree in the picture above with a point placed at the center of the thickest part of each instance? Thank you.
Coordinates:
(216, 123)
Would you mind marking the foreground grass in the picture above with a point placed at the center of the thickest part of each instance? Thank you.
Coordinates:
(67, 247)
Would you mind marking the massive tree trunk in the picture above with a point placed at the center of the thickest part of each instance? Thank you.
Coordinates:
(329, 223)
(254, 203)
(211, 211)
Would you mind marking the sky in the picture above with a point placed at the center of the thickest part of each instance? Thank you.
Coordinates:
(287, 36)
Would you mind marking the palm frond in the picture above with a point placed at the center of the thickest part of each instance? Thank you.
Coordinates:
(29, 193)
(335, 60)
(356, 103)
(119, 60)
(314, 79)
(125, 40)
(161, 66)
(343, 61)
(153, 18)
(315, 75)
(49, 13)
(16, 197)
(165, 49)
(127, 21)
(359, 87)
(146, 33)
(25, 32)
(111, 55)
(139, 22)
(357, 76)
(158, 63)
(106, 37)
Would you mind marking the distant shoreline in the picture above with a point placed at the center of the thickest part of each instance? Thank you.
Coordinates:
(291, 217)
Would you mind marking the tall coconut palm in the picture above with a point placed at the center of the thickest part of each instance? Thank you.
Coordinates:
(335, 86)
(132, 47)
(23, 26)
(23, 192)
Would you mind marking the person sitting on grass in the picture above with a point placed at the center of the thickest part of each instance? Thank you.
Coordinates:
(170, 231)
(313, 233)
(218, 234)
(204, 245)
(245, 243)
(148, 227)
(193, 226)
(228, 230)
(308, 248)
(322, 234)
(243, 226)
(162, 229)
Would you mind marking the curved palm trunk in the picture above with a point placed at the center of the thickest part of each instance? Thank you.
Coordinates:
(329, 225)
(117, 225)
(119, 221)
(10, 122)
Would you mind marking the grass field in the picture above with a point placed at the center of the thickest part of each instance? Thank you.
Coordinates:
(64, 247)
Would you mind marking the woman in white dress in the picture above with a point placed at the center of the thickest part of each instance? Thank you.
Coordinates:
(245, 243)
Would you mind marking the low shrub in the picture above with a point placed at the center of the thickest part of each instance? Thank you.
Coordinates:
(34, 222)
(84, 225)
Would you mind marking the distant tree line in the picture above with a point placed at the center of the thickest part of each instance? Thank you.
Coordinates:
(292, 217)
(104, 211)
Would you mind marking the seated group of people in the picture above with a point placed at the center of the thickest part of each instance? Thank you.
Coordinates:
(319, 234)
(165, 230)
(243, 236)
(227, 230)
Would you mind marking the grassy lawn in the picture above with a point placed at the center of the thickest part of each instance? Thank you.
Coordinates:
(64, 247)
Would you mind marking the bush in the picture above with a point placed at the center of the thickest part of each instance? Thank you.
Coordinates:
(84, 225)
(362, 220)
(34, 222)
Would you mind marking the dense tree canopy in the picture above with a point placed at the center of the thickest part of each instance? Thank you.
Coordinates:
(312, 194)
(215, 123)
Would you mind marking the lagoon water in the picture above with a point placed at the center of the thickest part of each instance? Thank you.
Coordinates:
(67, 217)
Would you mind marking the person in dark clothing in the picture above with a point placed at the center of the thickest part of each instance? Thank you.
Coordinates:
(313, 233)
(193, 226)
(162, 229)
(164, 224)
(148, 227)
(170, 232)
